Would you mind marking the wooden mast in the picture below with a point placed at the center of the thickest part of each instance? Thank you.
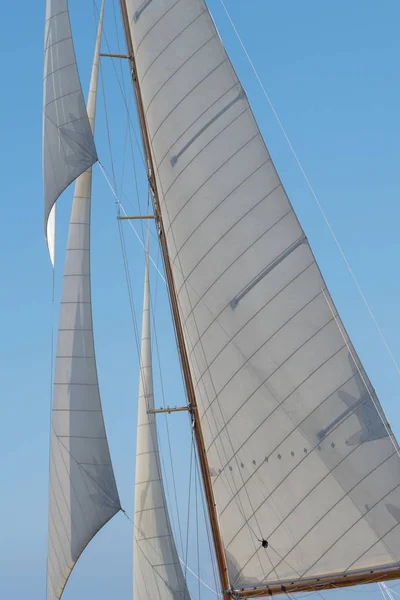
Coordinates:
(205, 472)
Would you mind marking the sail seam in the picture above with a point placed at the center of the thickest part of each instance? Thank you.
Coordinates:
(155, 25)
(196, 136)
(309, 452)
(235, 189)
(185, 97)
(265, 232)
(346, 494)
(65, 39)
(203, 149)
(350, 528)
(291, 393)
(221, 166)
(58, 71)
(225, 93)
(260, 348)
(216, 318)
(169, 44)
(264, 382)
(147, 108)
(268, 270)
(55, 15)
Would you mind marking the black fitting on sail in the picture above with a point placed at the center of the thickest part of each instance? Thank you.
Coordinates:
(264, 543)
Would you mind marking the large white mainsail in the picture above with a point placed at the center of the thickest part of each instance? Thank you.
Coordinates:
(68, 145)
(306, 473)
(83, 492)
(157, 571)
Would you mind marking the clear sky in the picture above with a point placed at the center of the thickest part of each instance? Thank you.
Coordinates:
(331, 69)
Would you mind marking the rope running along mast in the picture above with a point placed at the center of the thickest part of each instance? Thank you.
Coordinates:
(222, 568)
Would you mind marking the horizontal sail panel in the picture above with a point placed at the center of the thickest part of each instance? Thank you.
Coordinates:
(299, 449)
(68, 145)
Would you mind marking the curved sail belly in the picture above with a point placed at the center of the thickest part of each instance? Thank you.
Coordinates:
(68, 145)
(299, 450)
(83, 494)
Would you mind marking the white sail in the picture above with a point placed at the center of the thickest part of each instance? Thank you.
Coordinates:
(68, 145)
(83, 493)
(157, 571)
(298, 446)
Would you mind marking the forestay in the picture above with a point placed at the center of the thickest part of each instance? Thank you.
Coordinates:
(68, 145)
(157, 571)
(83, 493)
(298, 446)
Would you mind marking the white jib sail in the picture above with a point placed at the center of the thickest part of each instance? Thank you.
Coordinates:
(157, 571)
(297, 443)
(68, 145)
(83, 494)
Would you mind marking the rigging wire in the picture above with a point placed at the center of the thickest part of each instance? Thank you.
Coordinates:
(313, 193)
(189, 504)
(51, 387)
(133, 312)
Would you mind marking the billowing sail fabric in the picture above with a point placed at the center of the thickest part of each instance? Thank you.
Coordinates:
(83, 494)
(68, 145)
(157, 571)
(305, 474)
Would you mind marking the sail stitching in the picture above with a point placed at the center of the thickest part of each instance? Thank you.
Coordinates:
(254, 242)
(302, 383)
(182, 172)
(221, 166)
(353, 525)
(280, 328)
(181, 135)
(268, 269)
(155, 25)
(169, 44)
(219, 205)
(216, 318)
(346, 494)
(196, 136)
(249, 358)
(147, 108)
(183, 99)
(65, 39)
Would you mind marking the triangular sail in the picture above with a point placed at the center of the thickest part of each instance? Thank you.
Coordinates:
(68, 145)
(157, 571)
(83, 493)
(305, 470)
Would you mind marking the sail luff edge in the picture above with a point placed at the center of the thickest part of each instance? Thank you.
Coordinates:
(200, 444)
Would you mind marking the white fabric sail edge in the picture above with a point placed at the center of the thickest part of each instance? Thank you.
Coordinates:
(157, 570)
(83, 494)
(68, 144)
(297, 442)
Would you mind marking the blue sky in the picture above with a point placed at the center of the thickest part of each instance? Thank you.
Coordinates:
(331, 70)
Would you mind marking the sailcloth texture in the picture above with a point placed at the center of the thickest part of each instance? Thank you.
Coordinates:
(157, 571)
(83, 494)
(300, 453)
(68, 145)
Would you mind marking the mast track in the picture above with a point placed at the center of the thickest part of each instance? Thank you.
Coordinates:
(192, 402)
